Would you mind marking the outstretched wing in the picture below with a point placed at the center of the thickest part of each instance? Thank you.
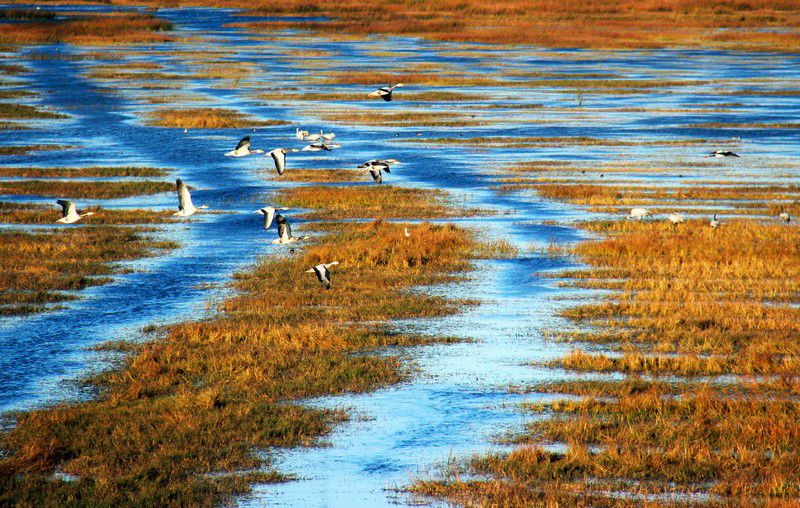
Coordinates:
(67, 207)
(269, 215)
(184, 198)
(280, 160)
(244, 143)
(376, 174)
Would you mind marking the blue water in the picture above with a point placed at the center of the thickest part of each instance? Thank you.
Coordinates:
(459, 402)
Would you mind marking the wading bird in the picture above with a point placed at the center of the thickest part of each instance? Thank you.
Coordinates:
(385, 92)
(638, 213)
(279, 158)
(284, 231)
(269, 214)
(69, 212)
(329, 136)
(316, 147)
(675, 218)
(301, 135)
(714, 223)
(784, 216)
(722, 153)
(314, 137)
(185, 206)
(242, 149)
(323, 274)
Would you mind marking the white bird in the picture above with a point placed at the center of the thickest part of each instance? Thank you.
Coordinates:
(269, 214)
(329, 136)
(638, 213)
(376, 173)
(242, 149)
(714, 223)
(313, 137)
(323, 274)
(69, 212)
(784, 216)
(722, 153)
(675, 218)
(279, 158)
(301, 135)
(316, 147)
(185, 205)
(382, 163)
(284, 231)
(406, 233)
(385, 92)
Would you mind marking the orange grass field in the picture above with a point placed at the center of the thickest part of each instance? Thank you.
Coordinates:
(206, 396)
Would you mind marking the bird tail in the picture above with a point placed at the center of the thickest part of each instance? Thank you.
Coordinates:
(203, 207)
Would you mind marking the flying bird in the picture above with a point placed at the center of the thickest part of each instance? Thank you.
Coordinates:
(185, 205)
(279, 158)
(284, 231)
(784, 216)
(69, 212)
(406, 233)
(385, 92)
(638, 213)
(714, 223)
(382, 163)
(316, 147)
(269, 214)
(242, 149)
(722, 153)
(323, 274)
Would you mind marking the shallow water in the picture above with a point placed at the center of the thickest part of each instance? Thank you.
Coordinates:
(458, 403)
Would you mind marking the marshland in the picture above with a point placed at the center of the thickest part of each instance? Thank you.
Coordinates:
(498, 330)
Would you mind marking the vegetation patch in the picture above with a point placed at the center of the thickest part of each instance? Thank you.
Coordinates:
(79, 172)
(81, 189)
(87, 29)
(207, 118)
(24, 111)
(25, 150)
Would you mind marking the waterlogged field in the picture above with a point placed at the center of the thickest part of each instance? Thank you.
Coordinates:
(523, 344)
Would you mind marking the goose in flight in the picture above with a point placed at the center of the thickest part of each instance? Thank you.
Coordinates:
(675, 218)
(301, 135)
(714, 223)
(327, 137)
(638, 213)
(313, 137)
(784, 216)
(242, 149)
(323, 274)
(284, 231)
(316, 147)
(722, 153)
(382, 163)
(385, 92)
(279, 158)
(269, 214)
(185, 205)
(69, 212)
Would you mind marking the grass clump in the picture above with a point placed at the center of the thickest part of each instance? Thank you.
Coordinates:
(25, 150)
(27, 213)
(88, 30)
(82, 172)
(80, 189)
(206, 118)
(23, 111)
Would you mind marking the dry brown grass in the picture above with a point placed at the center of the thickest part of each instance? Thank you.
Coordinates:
(574, 23)
(206, 118)
(80, 189)
(73, 172)
(27, 149)
(324, 175)
(27, 213)
(211, 393)
(120, 28)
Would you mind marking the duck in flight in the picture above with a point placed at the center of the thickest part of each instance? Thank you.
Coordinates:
(279, 158)
(322, 273)
(269, 214)
(284, 231)
(243, 149)
(185, 205)
(316, 147)
(69, 212)
(722, 153)
(385, 92)
(376, 167)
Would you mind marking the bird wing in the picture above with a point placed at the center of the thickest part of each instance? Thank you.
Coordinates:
(376, 174)
(67, 207)
(326, 274)
(244, 143)
(184, 198)
(269, 215)
(284, 230)
(280, 160)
